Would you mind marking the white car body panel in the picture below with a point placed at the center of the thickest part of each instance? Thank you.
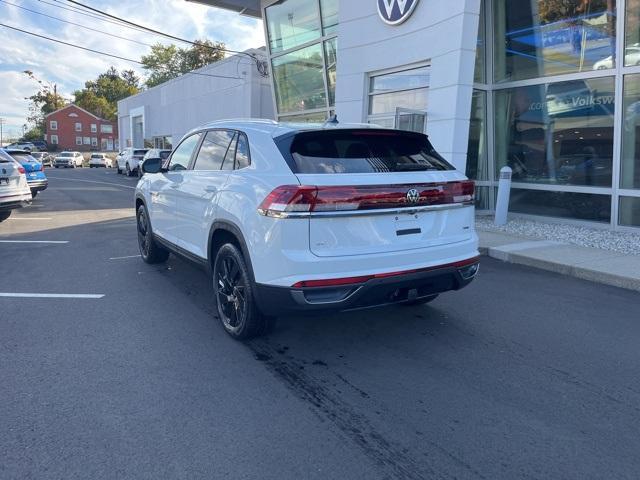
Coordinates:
(14, 189)
(280, 250)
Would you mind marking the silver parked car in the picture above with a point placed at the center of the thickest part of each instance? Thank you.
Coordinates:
(14, 189)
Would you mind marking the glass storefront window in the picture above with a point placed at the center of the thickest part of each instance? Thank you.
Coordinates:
(579, 206)
(477, 159)
(329, 9)
(305, 118)
(291, 23)
(558, 133)
(630, 162)
(298, 79)
(629, 211)
(632, 44)
(535, 38)
(481, 55)
(331, 52)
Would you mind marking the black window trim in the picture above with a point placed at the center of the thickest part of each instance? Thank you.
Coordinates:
(236, 136)
(167, 162)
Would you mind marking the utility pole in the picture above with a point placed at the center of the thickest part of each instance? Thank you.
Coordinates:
(1, 138)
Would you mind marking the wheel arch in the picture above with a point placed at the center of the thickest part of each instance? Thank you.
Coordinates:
(222, 232)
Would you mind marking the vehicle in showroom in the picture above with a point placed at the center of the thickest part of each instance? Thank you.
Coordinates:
(45, 158)
(36, 178)
(98, 160)
(68, 160)
(161, 153)
(300, 218)
(14, 190)
(129, 159)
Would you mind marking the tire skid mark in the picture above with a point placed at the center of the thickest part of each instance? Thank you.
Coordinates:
(329, 405)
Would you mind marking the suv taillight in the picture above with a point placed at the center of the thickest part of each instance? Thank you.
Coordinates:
(303, 198)
(21, 169)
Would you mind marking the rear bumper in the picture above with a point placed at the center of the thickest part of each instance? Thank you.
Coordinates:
(38, 185)
(11, 202)
(400, 288)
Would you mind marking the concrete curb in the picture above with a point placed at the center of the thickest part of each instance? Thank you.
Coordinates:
(599, 266)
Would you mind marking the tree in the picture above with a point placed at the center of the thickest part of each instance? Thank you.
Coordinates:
(45, 101)
(101, 96)
(165, 62)
(554, 10)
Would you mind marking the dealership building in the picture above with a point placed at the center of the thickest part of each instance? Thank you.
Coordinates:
(550, 88)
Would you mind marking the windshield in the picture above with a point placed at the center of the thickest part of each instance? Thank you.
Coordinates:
(360, 151)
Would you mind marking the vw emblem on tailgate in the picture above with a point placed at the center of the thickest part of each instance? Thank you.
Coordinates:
(394, 12)
(413, 196)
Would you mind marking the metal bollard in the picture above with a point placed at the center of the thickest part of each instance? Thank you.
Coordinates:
(504, 192)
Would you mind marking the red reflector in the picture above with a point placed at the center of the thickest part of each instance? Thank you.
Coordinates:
(335, 282)
(22, 170)
(304, 198)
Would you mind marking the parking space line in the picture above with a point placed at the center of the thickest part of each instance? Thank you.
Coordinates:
(53, 295)
(92, 181)
(29, 218)
(122, 258)
(34, 241)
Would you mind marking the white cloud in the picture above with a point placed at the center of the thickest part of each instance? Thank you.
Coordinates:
(69, 67)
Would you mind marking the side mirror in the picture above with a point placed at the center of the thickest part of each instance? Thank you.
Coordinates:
(152, 165)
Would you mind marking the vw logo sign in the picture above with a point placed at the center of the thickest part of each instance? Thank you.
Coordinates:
(413, 196)
(394, 12)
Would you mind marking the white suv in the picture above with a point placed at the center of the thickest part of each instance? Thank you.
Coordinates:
(296, 218)
(68, 159)
(128, 160)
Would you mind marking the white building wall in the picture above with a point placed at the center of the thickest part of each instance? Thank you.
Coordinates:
(443, 32)
(177, 106)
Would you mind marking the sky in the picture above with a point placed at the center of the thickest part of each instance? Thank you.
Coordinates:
(70, 67)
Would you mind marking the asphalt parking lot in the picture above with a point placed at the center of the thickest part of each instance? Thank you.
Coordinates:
(524, 374)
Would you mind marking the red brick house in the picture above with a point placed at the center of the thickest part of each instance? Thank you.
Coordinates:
(73, 128)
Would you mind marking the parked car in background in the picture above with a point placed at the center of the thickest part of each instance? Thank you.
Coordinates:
(309, 218)
(154, 153)
(25, 146)
(129, 159)
(36, 178)
(100, 160)
(41, 145)
(68, 159)
(14, 190)
(45, 158)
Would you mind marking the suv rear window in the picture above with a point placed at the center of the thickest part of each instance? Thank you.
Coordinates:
(140, 152)
(360, 151)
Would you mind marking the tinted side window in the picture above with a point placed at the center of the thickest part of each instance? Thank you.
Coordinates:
(242, 152)
(182, 155)
(230, 155)
(214, 149)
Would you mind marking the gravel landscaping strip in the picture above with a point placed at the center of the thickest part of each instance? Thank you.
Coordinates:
(622, 242)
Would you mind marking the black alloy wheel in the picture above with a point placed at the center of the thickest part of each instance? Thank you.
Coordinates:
(150, 251)
(233, 287)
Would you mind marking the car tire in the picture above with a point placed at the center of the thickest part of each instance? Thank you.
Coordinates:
(5, 215)
(34, 193)
(118, 171)
(127, 170)
(422, 301)
(235, 301)
(56, 166)
(150, 251)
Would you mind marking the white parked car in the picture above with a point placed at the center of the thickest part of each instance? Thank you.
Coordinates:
(129, 159)
(631, 58)
(14, 189)
(68, 159)
(98, 160)
(26, 146)
(299, 218)
(154, 153)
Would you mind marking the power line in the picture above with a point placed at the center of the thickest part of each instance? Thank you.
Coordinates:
(259, 63)
(76, 24)
(107, 54)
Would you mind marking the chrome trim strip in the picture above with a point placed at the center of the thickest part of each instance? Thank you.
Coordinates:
(358, 213)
